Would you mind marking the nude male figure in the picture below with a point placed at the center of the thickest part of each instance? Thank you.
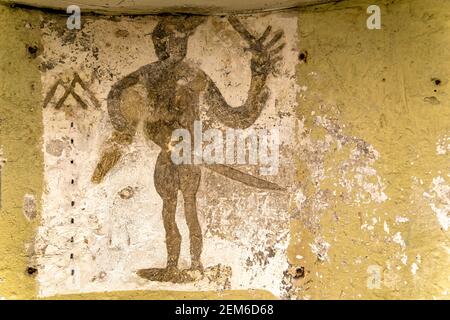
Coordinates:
(164, 96)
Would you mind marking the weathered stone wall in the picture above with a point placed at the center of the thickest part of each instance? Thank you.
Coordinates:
(374, 158)
(364, 159)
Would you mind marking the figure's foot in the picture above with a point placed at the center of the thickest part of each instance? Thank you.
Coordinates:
(168, 274)
(196, 266)
(196, 270)
(159, 274)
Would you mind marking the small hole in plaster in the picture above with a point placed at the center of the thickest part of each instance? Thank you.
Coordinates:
(71, 239)
(303, 56)
(71, 124)
(31, 270)
(72, 272)
(72, 221)
(32, 51)
(437, 81)
(71, 256)
(71, 161)
(299, 272)
(72, 203)
(72, 181)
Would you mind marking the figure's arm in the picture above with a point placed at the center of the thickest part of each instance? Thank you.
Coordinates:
(264, 57)
(124, 129)
(114, 96)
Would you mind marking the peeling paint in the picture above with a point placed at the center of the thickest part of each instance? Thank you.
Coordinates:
(29, 206)
(443, 146)
(320, 248)
(439, 196)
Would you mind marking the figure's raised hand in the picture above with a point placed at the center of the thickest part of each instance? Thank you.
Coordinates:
(265, 50)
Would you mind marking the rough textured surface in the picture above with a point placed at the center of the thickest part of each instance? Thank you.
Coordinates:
(373, 160)
(21, 142)
(371, 200)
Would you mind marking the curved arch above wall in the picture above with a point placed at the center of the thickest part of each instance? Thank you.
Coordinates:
(159, 6)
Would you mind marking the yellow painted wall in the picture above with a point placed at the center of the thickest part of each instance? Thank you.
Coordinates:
(376, 85)
(20, 138)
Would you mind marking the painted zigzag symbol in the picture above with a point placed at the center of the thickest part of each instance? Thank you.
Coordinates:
(70, 90)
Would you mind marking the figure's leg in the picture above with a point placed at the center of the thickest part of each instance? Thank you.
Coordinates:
(189, 182)
(112, 153)
(167, 185)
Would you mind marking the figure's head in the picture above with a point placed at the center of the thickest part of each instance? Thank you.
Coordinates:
(170, 36)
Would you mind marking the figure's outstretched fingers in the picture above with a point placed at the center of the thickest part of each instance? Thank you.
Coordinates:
(239, 27)
(265, 34)
(254, 48)
(278, 35)
(277, 49)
